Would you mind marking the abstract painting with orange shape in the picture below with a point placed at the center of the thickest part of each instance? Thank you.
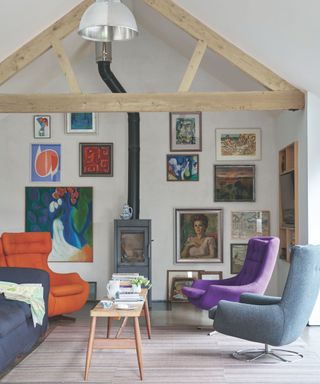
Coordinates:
(45, 162)
(65, 212)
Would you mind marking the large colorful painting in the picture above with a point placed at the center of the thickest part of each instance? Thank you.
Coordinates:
(198, 235)
(45, 162)
(65, 212)
(96, 159)
(238, 144)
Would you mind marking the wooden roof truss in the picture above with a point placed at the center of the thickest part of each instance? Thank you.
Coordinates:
(279, 94)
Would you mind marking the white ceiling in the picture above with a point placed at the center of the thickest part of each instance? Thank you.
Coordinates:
(284, 35)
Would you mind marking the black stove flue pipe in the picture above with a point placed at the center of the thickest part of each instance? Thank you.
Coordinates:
(103, 51)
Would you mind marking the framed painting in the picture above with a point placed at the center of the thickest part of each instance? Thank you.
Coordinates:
(46, 162)
(96, 159)
(234, 183)
(42, 126)
(198, 235)
(81, 122)
(65, 212)
(176, 289)
(182, 167)
(210, 275)
(238, 144)
(237, 255)
(185, 131)
(179, 274)
(246, 224)
(92, 291)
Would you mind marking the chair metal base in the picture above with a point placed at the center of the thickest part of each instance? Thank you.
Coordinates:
(251, 355)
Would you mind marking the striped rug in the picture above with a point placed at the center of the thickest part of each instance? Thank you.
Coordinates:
(173, 355)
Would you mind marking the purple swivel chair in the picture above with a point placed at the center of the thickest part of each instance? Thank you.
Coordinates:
(253, 278)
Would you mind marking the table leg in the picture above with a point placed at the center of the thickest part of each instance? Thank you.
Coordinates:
(90, 346)
(109, 324)
(147, 317)
(137, 335)
(121, 327)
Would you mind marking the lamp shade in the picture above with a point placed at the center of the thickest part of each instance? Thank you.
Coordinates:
(108, 20)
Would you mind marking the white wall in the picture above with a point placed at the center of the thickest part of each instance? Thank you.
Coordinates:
(292, 126)
(144, 64)
(313, 108)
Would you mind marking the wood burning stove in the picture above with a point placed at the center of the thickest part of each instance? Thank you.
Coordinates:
(132, 247)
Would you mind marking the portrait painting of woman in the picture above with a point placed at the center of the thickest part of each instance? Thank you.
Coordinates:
(198, 235)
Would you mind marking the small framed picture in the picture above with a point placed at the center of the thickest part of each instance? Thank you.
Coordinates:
(238, 254)
(210, 275)
(181, 274)
(234, 183)
(92, 291)
(81, 122)
(198, 235)
(96, 159)
(176, 289)
(46, 162)
(182, 167)
(238, 144)
(185, 131)
(246, 224)
(42, 126)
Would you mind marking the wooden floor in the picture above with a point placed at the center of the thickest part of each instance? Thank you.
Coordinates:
(177, 353)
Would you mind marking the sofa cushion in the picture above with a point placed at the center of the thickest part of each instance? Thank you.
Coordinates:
(66, 290)
(25, 307)
(11, 315)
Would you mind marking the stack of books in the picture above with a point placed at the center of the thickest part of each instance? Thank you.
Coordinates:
(124, 276)
(129, 297)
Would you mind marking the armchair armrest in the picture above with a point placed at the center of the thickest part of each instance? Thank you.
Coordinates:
(259, 323)
(65, 278)
(251, 298)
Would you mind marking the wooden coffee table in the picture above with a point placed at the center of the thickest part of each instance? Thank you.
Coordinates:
(141, 309)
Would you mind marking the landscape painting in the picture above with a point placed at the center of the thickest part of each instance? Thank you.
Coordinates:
(65, 212)
(234, 183)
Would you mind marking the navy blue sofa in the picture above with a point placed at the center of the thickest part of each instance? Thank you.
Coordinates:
(17, 333)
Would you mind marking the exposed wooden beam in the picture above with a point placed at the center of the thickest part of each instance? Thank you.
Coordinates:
(218, 44)
(42, 42)
(65, 65)
(193, 66)
(152, 102)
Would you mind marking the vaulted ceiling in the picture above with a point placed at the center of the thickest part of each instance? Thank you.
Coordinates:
(281, 35)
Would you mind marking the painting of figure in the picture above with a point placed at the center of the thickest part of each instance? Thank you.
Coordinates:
(65, 212)
(198, 235)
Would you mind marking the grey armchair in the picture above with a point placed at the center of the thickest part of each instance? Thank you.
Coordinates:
(273, 320)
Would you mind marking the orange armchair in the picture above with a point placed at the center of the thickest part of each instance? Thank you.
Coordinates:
(68, 292)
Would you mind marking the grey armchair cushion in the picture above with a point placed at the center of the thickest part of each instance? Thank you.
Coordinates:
(271, 320)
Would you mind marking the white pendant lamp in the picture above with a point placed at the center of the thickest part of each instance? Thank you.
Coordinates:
(108, 20)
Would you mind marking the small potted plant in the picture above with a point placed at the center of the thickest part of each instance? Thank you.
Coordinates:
(139, 282)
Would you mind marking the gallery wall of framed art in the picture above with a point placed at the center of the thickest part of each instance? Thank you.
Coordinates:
(193, 135)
